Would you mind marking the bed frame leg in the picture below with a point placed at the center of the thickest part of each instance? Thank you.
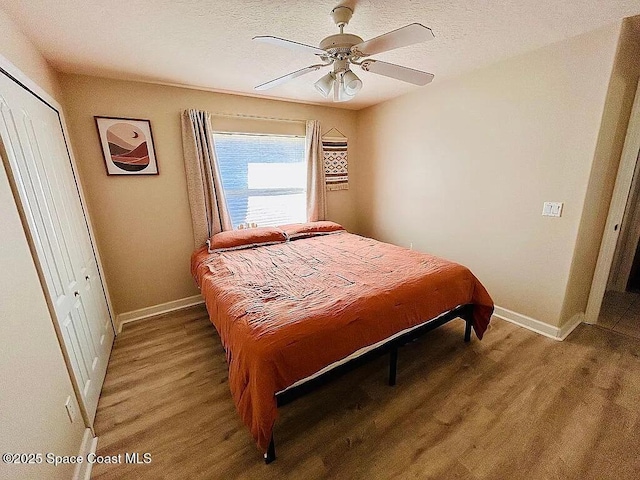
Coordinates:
(270, 456)
(467, 330)
(393, 366)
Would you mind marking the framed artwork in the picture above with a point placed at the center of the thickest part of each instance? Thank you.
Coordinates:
(127, 146)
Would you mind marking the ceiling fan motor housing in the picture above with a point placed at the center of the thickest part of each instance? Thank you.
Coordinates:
(340, 44)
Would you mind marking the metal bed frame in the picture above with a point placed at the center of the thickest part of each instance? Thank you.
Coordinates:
(464, 312)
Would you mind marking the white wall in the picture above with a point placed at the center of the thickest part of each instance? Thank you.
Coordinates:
(34, 381)
(462, 167)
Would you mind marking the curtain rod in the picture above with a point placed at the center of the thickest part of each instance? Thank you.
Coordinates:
(258, 117)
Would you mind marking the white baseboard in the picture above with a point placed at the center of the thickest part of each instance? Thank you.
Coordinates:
(154, 310)
(570, 326)
(557, 333)
(88, 445)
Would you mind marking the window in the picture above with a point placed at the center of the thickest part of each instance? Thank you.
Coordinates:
(264, 177)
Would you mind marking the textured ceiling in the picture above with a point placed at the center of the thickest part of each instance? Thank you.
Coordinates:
(207, 43)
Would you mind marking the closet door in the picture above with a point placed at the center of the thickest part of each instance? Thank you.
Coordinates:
(38, 159)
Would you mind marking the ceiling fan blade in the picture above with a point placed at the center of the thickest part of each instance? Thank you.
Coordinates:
(396, 71)
(281, 42)
(402, 37)
(286, 78)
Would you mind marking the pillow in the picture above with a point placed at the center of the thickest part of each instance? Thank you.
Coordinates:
(310, 229)
(245, 238)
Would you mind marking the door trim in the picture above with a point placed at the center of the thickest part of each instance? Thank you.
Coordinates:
(621, 192)
(89, 445)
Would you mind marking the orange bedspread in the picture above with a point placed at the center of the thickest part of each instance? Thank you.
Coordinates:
(286, 311)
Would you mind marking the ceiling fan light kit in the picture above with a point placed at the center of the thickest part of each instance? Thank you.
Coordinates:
(344, 49)
(352, 84)
(325, 83)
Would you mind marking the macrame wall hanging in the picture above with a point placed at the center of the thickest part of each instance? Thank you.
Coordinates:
(336, 164)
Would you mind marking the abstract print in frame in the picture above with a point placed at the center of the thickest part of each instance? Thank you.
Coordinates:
(127, 146)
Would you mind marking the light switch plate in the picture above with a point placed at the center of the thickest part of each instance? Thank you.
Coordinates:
(552, 209)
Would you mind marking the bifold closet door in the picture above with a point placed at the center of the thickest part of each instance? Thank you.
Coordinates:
(38, 159)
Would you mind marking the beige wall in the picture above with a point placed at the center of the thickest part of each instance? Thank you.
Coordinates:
(142, 223)
(19, 50)
(33, 377)
(461, 168)
(620, 96)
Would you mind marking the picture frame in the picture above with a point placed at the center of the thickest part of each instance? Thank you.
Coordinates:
(127, 146)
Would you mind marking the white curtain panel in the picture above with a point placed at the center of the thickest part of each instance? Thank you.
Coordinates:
(316, 191)
(209, 212)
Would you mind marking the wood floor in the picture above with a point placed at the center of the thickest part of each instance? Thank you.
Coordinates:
(514, 405)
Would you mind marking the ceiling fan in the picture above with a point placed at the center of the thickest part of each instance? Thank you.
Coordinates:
(344, 49)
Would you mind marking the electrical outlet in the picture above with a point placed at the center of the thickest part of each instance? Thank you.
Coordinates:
(71, 409)
(411, 246)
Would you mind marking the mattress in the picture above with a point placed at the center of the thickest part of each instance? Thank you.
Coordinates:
(358, 353)
(285, 312)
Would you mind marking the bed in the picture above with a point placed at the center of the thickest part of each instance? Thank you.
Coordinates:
(291, 309)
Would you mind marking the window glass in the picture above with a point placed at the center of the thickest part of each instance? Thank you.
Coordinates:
(264, 177)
